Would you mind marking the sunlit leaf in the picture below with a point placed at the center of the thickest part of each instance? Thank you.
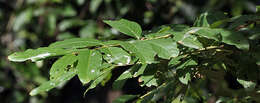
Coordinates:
(127, 27)
(37, 54)
(76, 43)
(116, 55)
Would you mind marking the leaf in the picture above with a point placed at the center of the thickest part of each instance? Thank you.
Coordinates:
(130, 73)
(127, 27)
(185, 38)
(186, 64)
(120, 81)
(240, 20)
(101, 77)
(76, 43)
(142, 50)
(94, 4)
(124, 98)
(88, 63)
(191, 41)
(141, 70)
(66, 24)
(159, 92)
(247, 84)
(148, 76)
(234, 38)
(116, 55)
(62, 65)
(209, 33)
(22, 19)
(37, 54)
(202, 21)
(97, 81)
(165, 48)
(55, 82)
(185, 79)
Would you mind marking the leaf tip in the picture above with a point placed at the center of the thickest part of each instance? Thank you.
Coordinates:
(33, 92)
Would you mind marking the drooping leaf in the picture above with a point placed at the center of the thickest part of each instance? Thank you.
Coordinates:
(55, 82)
(120, 81)
(234, 38)
(107, 68)
(116, 55)
(140, 70)
(165, 48)
(97, 81)
(62, 66)
(124, 98)
(127, 27)
(88, 63)
(130, 73)
(76, 43)
(37, 54)
(142, 50)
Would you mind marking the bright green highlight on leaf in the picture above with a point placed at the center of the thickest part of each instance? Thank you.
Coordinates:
(36, 54)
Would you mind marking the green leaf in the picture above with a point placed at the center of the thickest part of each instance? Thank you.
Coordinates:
(94, 4)
(187, 63)
(209, 33)
(185, 79)
(247, 84)
(127, 27)
(76, 43)
(241, 20)
(202, 21)
(185, 38)
(191, 41)
(107, 68)
(124, 98)
(97, 81)
(88, 65)
(159, 92)
(62, 65)
(142, 50)
(37, 54)
(165, 48)
(55, 82)
(234, 38)
(22, 19)
(148, 76)
(140, 71)
(120, 81)
(66, 24)
(130, 73)
(116, 55)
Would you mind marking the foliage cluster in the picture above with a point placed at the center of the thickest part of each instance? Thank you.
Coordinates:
(173, 61)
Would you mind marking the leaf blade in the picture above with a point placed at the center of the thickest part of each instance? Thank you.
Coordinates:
(127, 27)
